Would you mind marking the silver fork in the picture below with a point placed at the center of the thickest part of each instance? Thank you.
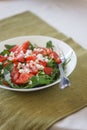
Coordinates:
(64, 81)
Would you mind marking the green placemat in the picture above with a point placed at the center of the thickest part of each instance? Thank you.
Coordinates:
(39, 110)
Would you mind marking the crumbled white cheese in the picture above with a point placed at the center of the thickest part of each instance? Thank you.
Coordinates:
(39, 67)
(11, 54)
(28, 52)
(2, 71)
(5, 55)
(24, 70)
(10, 58)
(21, 71)
(19, 65)
(38, 49)
(39, 57)
(30, 82)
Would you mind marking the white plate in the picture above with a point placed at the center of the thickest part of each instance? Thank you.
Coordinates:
(41, 41)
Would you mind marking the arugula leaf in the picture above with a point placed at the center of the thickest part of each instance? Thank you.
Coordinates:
(9, 66)
(31, 46)
(9, 46)
(8, 79)
(1, 81)
(4, 52)
(52, 63)
(39, 80)
(49, 45)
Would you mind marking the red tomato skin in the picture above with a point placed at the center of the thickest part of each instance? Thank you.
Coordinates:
(48, 70)
(21, 59)
(55, 56)
(2, 58)
(23, 78)
(49, 51)
(13, 49)
(44, 63)
(19, 48)
(15, 74)
(25, 46)
(34, 71)
(31, 57)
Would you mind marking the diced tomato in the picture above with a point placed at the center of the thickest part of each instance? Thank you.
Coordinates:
(31, 57)
(21, 59)
(30, 75)
(15, 74)
(16, 63)
(55, 56)
(13, 49)
(2, 58)
(14, 59)
(22, 47)
(48, 51)
(44, 63)
(48, 70)
(44, 52)
(25, 46)
(33, 69)
(23, 78)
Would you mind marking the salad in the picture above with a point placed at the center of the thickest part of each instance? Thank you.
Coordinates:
(28, 65)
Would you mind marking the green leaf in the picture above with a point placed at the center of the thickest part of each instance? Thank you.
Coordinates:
(8, 79)
(4, 52)
(9, 66)
(49, 45)
(52, 63)
(31, 46)
(9, 46)
(39, 80)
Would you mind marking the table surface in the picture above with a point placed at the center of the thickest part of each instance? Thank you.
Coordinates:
(68, 16)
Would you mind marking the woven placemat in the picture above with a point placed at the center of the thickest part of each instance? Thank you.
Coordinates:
(39, 110)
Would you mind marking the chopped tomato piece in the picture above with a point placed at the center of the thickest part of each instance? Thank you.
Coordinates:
(25, 46)
(48, 51)
(31, 57)
(44, 63)
(21, 59)
(22, 47)
(2, 58)
(55, 56)
(48, 70)
(23, 78)
(33, 69)
(16, 63)
(15, 74)
(13, 49)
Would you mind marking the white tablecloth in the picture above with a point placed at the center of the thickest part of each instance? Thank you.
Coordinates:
(68, 16)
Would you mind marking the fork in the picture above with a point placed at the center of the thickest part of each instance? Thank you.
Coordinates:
(64, 82)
